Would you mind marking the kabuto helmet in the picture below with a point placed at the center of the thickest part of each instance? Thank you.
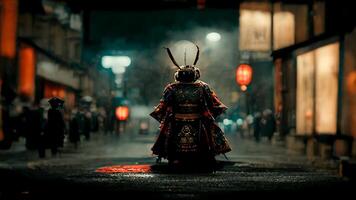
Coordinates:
(186, 73)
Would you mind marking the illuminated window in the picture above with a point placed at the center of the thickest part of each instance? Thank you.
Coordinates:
(255, 30)
(283, 29)
(327, 70)
(317, 88)
(305, 94)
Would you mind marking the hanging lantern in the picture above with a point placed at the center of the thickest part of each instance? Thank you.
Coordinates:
(122, 113)
(244, 75)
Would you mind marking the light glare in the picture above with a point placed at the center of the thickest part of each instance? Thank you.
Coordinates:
(213, 36)
(112, 61)
(117, 69)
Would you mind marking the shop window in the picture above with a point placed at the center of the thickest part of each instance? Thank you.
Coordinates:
(255, 30)
(317, 88)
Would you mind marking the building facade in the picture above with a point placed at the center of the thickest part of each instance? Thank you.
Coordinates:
(314, 84)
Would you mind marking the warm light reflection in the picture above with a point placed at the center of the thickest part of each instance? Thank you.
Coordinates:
(317, 88)
(27, 71)
(351, 82)
(54, 90)
(327, 70)
(255, 30)
(8, 24)
(283, 29)
(351, 107)
(124, 169)
(305, 77)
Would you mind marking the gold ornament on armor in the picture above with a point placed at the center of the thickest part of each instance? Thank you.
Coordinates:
(186, 139)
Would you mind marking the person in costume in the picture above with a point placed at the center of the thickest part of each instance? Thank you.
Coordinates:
(189, 136)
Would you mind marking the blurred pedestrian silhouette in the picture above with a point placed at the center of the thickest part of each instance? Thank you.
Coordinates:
(268, 124)
(33, 126)
(55, 127)
(257, 126)
(94, 118)
(83, 119)
(8, 95)
(74, 133)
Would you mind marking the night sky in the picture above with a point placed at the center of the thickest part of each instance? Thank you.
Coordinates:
(146, 29)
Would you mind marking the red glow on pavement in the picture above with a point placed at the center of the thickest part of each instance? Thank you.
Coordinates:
(124, 169)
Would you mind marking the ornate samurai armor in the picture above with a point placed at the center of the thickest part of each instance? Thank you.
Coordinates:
(187, 112)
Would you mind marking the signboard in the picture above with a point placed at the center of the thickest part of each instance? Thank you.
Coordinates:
(255, 30)
(54, 72)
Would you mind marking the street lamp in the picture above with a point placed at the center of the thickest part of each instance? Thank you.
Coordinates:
(111, 61)
(117, 64)
(213, 37)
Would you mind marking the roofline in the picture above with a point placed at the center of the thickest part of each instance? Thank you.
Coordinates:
(312, 41)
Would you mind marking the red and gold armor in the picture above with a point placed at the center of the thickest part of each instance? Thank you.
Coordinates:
(187, 112)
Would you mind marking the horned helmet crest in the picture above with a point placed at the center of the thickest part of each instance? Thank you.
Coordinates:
(186, 73)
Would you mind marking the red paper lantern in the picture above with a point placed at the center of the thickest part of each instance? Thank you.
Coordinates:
(122, 113)
(244, 74)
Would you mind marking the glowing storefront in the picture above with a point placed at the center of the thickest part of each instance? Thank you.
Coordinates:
(317, 90)
(314, 90)
(41, 75)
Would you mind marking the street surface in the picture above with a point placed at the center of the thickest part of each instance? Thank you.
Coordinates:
(80, 173)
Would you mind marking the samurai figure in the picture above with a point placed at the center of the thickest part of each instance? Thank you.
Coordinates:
(189, 138)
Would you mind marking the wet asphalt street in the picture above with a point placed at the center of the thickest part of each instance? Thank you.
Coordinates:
(252, 168)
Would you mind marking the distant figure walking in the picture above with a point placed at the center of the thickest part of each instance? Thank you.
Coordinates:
(55, 128)
(268, 124)
(257, 126)
(74, 133)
